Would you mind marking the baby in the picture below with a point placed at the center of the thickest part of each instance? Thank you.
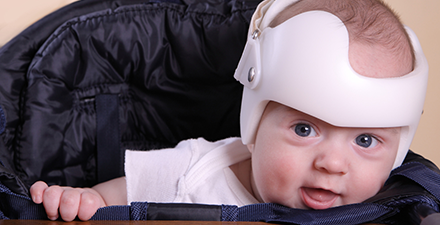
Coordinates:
(333, 92)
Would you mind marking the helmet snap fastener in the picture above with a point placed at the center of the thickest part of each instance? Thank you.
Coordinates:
(255, 34)
(251, 74)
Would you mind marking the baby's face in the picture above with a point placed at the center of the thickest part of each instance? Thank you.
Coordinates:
(302, 162)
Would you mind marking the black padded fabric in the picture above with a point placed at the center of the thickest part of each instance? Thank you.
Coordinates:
(171, 64)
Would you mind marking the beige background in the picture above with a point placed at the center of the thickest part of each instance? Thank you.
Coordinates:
(16, 15)
(423, 16)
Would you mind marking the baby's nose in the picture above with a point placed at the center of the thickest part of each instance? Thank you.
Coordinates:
(332, 160)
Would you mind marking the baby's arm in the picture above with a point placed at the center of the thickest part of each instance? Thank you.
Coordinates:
(82, 202)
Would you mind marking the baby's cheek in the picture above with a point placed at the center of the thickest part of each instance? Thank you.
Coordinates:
(280, 181)
(366, 188)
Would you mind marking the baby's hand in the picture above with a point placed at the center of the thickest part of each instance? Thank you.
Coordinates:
(67, 201)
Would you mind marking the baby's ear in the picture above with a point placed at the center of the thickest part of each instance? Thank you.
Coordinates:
(250, 147)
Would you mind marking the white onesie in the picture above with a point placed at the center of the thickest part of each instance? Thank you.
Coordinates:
(195, 171)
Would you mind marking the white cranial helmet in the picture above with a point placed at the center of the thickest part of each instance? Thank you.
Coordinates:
(303, 63)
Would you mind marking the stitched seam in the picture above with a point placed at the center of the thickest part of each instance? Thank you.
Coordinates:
(106, 13)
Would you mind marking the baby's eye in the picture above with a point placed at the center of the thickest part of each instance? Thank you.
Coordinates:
(304, 130)
(366, 141)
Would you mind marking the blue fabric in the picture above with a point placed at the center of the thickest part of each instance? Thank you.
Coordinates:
(139, 210)
(109, 153)
(422, 175)
(13, 206)
(113, 213)
(2, 120)
(268, 212)
(348, 214)
(170, 64)
(229, 213)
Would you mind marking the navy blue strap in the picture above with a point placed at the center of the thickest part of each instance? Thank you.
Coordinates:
(268, 212)
(347, 214)
(422, 175)
(22, 207)
(113, 213)
(109, 154)
(161, 211)
(182, 211)
(14, 206)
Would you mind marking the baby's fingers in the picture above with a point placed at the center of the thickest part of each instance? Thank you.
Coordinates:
(89, 204)
(51, 201)
(69, 204)
(37, 190)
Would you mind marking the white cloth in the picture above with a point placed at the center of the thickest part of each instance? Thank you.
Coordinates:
(195, 171)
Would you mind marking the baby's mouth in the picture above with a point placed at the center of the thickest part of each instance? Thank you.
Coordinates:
(318, 198)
